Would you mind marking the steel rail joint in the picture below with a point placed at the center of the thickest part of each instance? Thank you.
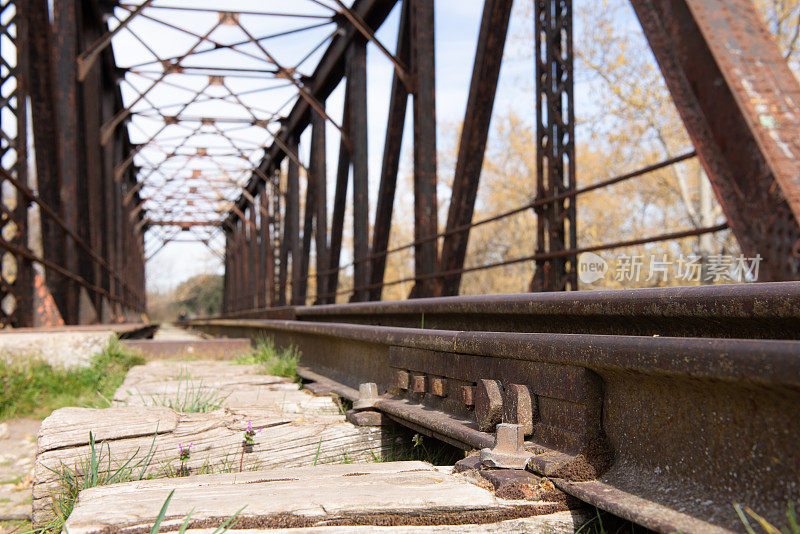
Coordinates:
(687, 425)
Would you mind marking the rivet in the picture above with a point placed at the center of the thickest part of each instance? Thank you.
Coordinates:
(418, 384)
(468, 395)
(439, 386)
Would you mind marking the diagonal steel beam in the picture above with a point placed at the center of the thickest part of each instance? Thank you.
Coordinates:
(491, 42)
(740, 104)
(88, 57)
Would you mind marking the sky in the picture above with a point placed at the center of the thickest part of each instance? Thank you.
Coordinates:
(457, 26)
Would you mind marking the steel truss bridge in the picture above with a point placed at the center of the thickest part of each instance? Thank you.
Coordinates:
(660, 405)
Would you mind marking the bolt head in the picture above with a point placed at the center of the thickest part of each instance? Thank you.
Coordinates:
(402, 379)
(518, 407)
(488, 404)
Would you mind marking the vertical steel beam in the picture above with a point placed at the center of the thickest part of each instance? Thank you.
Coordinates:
(90, 190)
(292, 230)
(23, 284)
(263, 243)
(426, 251)
(109, 191)
(275, 239)
(318, 170)
(43, 108)
(339, 203)
(391, 162)
(308, 229)
(357, 87)
(120, 216)
(471, 149)
(555, 147)
(226, 280)
(243, 265)
(739, 102)
(237, 267)
(254, 287)
(283, 275)
(65, 53)
(239, 264)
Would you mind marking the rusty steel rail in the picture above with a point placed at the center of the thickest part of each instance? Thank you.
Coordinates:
(652, 404)
(701, 311)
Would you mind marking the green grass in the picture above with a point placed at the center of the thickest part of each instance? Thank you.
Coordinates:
(190, 397)
(97, 468)
(410, 446)
(16, 526)
(273, 361)
(94, 469)
(603, 522)
(792, 526)
(228, 524)
(34, 388)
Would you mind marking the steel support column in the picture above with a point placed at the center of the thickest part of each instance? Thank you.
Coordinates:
(23, 314)
(339, 204)
(226, 280)
(319, 171)
(423, 61)
(292, 229)
(308, 229)
(254, 287)
(65, 52)
(263, 243)
(555, 145)
(398, 102)
(357, 88)
(43, 108)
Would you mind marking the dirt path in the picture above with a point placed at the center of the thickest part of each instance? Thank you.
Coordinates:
(17, 452)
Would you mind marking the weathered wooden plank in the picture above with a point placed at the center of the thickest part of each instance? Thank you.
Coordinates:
(189, 348)
(232, 386)
(67, 427)
(367, 494)
(295, 428)
(566, 522)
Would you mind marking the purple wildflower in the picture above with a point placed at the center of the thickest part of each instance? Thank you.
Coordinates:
(184, 453)
(250, 433)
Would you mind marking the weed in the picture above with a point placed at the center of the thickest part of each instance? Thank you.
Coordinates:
(190, 397)
(184, 453)
(319, 447)
(227, 525)
(793, 526)
(273, 361)
(344, 405)
(407, 446)
(346, 459)
(34, 388)
(605, 523)
(14, 526)
(250, 433)
(91, 471)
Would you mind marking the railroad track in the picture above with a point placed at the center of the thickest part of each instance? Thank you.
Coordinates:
(663, 406)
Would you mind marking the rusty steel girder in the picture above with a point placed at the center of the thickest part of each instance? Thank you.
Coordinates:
(741, 107)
